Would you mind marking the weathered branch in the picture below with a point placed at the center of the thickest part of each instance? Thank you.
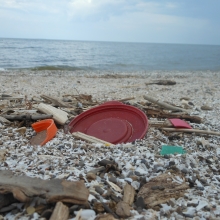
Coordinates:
(55, 101)
(27, 117)
(164, 105)
(191, 131)
(162, 114)
(24, 188)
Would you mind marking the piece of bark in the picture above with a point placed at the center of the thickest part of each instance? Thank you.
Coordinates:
(21, 130)
(46, 213)
(162, 82)
(196, 131)
(61, 212)
(109, 210)
(55, 101)
(106, 162)
(155, 113)
(162, 188)
(25, 188)
(59, 116)
(129, 193)
(105, 217)
(163, 104)
(2, 155)
(123, 210)
(91, 139)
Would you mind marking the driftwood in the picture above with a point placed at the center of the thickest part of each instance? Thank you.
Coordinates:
(162, 82)
(164, 105)
(61, 212)
(91, 139)
(81, 97)
(59, 116)
(129, 193)
(4, 120)
(162, 188)
(55, 101)
(162, 114)
(196, 131)
(11, 98)
(27, 117)
(160, 124)
(25, 188)
(125, 99)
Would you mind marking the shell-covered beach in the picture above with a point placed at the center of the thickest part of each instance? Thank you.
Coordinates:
(109, 173)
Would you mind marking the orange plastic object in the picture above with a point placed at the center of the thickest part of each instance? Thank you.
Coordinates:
(49, 126)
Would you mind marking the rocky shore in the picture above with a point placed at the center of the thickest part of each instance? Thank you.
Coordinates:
(124, 181)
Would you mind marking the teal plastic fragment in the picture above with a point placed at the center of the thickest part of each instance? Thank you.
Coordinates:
(171, 150)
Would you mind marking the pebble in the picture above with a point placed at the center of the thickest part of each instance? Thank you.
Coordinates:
(185, 171)
(90, 176)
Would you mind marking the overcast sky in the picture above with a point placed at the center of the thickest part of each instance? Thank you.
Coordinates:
(180, 21)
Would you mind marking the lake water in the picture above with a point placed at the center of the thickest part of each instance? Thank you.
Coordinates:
(112, 56)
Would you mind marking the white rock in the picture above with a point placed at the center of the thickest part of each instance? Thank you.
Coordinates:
(136, 185)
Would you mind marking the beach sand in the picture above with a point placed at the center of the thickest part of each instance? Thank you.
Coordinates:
(201, 162)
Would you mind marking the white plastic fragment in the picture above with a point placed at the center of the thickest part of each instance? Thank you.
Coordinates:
(201, 205)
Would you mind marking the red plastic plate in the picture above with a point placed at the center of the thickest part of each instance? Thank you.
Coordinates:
(113, 122)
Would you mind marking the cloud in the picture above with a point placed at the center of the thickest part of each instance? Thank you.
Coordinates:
(111, 20)
(82, 9)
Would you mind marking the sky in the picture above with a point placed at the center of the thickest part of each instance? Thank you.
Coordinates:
(158, 21)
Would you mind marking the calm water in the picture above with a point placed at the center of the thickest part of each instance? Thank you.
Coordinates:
(113, 56)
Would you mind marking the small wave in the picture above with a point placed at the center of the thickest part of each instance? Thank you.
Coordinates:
(66, 68)
(2, 69)
(122, 64)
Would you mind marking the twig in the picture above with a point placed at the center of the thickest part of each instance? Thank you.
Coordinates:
(164, 105)
(191, 131)
(89, 138)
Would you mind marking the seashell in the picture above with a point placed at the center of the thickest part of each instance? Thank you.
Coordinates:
(30, 210)
(114, 186)
(85, 214)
